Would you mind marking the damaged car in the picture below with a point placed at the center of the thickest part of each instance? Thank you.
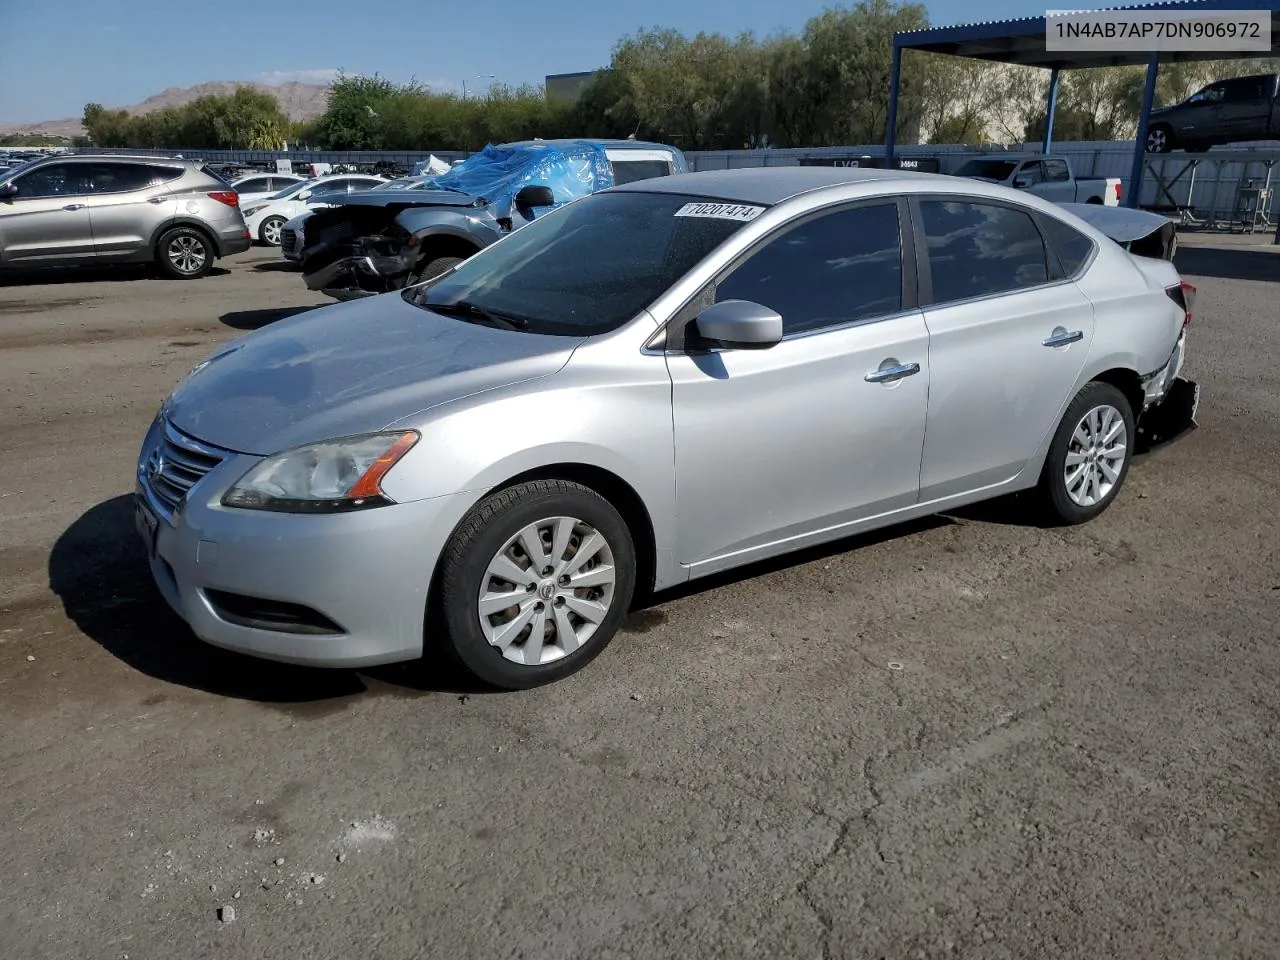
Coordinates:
(385, 239)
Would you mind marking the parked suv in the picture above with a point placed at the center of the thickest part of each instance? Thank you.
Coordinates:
(1229, 111)
(115, 209)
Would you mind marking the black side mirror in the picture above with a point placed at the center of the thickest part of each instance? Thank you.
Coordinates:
(535, 195)
(8, 191)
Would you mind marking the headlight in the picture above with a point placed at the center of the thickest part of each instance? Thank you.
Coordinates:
(328, 477)
(254, 209)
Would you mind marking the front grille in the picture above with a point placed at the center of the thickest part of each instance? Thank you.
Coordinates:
(288, 238)
(175, 465)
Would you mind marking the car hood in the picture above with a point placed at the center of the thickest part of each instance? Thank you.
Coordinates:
(409, 198)
(350, 368)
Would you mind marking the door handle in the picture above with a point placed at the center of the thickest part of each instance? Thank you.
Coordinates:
(1061, 337)
(156, 200)
(74, 206)
(889, 374)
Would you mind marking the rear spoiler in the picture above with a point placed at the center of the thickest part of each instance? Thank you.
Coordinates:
(1138, 231)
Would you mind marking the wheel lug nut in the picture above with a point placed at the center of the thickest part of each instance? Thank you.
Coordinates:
(546, 571)
(564, 581)
(538, 605)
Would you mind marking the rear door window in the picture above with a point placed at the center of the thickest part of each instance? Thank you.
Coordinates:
(118, 177)
(1055, 171)
(981, 249)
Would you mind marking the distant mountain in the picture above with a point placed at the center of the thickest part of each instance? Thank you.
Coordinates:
(299, 101)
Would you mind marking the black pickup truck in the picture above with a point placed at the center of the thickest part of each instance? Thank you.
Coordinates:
(1229, 111)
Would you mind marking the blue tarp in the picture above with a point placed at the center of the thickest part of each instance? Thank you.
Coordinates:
(572, 171)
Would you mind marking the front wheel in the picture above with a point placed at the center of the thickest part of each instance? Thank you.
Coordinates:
(184, 253)
(1089, 457)
(269, 231)
(534, 583)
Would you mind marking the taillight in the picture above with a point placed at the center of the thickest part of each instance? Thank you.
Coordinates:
(1184, 295)
(229, 197)
(1118, 191)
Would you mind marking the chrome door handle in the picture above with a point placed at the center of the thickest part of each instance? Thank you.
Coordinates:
(888, 374)
(1060, 337)
(156, 200)
(74, 206)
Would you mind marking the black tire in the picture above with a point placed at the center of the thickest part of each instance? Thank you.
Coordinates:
(1160, 138)
(433, 268)
(185, 253)
(262, 231)
(1056, 504)
(455, 618)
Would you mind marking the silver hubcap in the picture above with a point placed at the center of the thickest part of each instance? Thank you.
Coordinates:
(271, 231)
(547, 590)
(1155, 141)
(1095, 456)
(187, 254)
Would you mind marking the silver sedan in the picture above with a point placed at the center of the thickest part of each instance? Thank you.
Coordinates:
(662, 381)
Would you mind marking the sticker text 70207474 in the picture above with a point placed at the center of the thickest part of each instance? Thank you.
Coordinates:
(720, 211)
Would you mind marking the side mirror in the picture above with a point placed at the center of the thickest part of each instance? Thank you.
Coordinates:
(304, 194)
(8, 191)
(740, 325)
(1022, 181)
(535, 196)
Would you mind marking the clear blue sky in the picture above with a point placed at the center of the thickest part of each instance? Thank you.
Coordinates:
(56, 55)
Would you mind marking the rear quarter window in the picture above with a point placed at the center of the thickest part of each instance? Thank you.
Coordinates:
(1072, 248)
(629, 171)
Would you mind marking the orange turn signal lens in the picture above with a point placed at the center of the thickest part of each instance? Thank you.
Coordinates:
(369, 484)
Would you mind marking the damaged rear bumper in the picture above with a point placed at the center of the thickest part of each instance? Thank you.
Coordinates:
(1171, 417)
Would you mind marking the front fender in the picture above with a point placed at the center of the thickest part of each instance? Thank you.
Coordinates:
(480, 230)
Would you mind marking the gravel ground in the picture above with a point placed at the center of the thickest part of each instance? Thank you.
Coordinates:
(966, 737)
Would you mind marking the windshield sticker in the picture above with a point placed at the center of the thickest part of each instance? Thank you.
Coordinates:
(720, 211)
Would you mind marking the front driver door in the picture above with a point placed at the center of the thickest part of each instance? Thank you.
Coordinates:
(1007, 342)
(778, 444)
(48, 219)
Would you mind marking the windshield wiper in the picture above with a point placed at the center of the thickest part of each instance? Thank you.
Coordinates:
(473, 312)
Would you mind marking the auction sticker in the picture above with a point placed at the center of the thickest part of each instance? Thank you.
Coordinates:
(720, 211)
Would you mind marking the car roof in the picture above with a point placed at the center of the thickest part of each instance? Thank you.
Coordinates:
(122, 157)
(766, 185)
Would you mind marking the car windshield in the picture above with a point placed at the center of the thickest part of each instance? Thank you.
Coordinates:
(988, 169)
(290, 190)
(588, 267)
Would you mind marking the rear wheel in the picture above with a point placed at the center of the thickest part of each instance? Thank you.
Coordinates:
(534, 583)
(269, 231)
(1160, 138)
(184, 253)
(1089, 457)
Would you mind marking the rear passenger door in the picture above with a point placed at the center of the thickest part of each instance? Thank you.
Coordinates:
(1246, 108)
(128, 204)
(1058, 185)
(1008, 337)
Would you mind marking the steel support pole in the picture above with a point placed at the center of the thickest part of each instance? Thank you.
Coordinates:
(1144, 119)
(891, 122)
(1053, 106)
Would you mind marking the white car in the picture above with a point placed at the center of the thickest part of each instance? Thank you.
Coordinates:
(257, 186)
(265, 217)
(292, 238)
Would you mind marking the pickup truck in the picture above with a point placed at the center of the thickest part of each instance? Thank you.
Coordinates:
(1229, 111)
(1044, 175)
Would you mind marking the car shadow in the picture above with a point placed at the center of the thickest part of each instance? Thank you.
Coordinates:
(253, 319)
(1228, 263)
(121, 273)
(277, 266)
(99, 572)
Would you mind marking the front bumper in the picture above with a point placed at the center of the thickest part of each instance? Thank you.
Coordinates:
(363, 274)
(367, 572)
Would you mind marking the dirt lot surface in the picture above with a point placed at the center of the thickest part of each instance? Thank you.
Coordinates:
(966, 738)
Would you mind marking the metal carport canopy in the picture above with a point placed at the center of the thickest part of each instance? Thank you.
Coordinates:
(1022, 42)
